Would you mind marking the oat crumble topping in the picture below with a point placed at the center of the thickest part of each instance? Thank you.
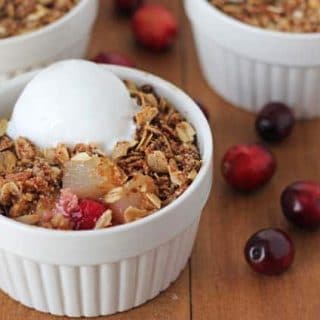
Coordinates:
(22, 16)
(45, 187)
(299, 16)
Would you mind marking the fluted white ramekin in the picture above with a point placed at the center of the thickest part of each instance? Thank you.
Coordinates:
(100, 272)
(65, 38)
(251, 66)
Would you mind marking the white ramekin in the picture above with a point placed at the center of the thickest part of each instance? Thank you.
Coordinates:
(100, 272)
(65, 38)
(251, 66)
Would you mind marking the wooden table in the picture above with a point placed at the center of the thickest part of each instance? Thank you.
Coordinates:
(217, 284)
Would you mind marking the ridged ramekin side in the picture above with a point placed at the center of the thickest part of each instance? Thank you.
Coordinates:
(250, 66)
(100, 289)
(250, 83)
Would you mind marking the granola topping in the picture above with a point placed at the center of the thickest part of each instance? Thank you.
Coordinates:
(299, 16)
(80, 187)
(22, 16)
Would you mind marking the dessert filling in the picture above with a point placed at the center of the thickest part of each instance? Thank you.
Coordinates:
(82, 188)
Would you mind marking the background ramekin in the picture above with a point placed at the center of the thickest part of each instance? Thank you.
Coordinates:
(65, 38)
(91, 273)
(251, 66)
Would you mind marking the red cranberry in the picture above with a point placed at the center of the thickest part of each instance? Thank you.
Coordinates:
(247, 167)
(113, 58)
(90, 212)
(127, 7)
(275, 122)
(203, 108)
(269, 251)
(300, 204)
(154, 27)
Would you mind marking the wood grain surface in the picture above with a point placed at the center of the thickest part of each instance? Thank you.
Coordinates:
(217, 284)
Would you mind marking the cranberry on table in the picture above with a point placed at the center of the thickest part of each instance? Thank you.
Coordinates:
(247, 167)
(300, 204)
(275, 122)
(203, 108)
(154, 27)
(113, 58)
(269, 251)
(127, 7)
(89, 213)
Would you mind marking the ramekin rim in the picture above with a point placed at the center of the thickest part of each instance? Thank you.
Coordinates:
(48, 28)
(204, 170)
(257, 30)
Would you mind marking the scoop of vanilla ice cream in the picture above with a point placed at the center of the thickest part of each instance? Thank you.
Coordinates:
(71, 102)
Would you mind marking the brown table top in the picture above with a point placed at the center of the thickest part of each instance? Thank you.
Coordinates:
(217, 283)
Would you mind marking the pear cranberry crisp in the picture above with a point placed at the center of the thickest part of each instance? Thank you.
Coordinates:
(22, 16)
(81, 188)
(299, 16)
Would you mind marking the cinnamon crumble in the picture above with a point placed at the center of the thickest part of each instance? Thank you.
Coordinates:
(22, 16)
(299, 16)
(55, 188)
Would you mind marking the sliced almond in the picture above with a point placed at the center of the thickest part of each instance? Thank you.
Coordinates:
(157, 161)
(151, 99)
(114, 195)
(132, 214)
(121, 149)
(176, 176)
(81, 156)
(185, 131)
(145, 139)
(104, 220)
(145, 115)
(31, 219)
(156, 202)
(192, 174)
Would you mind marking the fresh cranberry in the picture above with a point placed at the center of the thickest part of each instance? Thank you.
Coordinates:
(90, 212)
(154, 27)
(300, 204)
(269, 251)
(203, 108)
(275, 122)
(127, 7)
(113, 58)
(247, 167)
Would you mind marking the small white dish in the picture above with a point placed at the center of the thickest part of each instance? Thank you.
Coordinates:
(65, 38)
(101, 272)
(251, 66)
